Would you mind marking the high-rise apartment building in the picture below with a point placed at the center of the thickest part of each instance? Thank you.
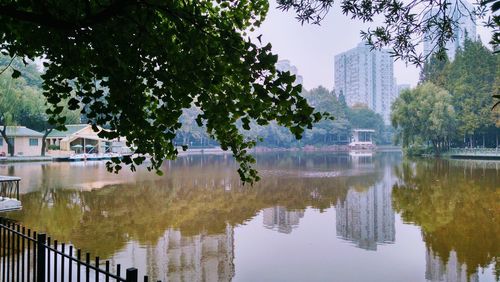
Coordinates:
(366, 77)
(461, 12)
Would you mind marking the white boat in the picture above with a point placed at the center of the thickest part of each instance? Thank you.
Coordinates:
(9, 204)
(78, 157)
(93, 157)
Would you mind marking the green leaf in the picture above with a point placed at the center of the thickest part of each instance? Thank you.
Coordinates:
(15, 73)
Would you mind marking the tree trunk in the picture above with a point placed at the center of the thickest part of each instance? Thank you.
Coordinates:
(436, 147)
(44, 140)
(6, 138)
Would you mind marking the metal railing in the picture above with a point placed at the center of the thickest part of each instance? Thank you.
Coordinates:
(30, 256)
(9, 187)
(475, 151)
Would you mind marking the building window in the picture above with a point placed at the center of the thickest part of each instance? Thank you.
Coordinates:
(33, 141)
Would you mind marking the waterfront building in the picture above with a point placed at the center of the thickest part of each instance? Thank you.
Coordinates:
(177, 257)
(461, 12)
(282, 220)
(285, 65)
(25, 142)
(366, 218)
(81, 137)
(436, 270)
(366, 77)
(362, 139)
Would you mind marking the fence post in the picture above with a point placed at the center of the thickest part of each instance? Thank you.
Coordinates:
(132, 275)
(40, 264)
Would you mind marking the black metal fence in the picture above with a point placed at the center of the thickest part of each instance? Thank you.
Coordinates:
(30, 256)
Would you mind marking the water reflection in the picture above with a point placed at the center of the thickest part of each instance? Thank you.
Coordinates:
(366, 217)
(452, 270)
(185, 225)
(456, 203)
(280, 219)
(176, 257)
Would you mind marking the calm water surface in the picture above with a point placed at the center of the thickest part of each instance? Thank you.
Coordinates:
(312, 217)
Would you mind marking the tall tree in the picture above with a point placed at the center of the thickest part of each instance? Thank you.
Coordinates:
(435, 71)
(470, 80)
(33, 115)
(22, 101)
(424, 114)
(13, 97)
(361, 116)
(135, 65)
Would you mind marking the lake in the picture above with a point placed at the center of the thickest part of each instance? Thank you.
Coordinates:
(313, 217)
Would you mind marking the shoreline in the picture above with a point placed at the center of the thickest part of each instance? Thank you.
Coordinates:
(218, 150)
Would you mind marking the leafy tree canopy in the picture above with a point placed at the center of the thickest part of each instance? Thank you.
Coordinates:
(22, 102)
(135, 65)
(424, 113)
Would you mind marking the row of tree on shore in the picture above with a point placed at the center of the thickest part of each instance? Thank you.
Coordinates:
(452, 105)
(336, 131)
(22, 103)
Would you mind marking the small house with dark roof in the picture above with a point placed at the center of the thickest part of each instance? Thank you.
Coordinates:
(25, 142)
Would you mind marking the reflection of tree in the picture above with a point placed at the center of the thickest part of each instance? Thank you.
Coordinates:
(456, 207)
(452, 271)
(192, 198)
(197, 195)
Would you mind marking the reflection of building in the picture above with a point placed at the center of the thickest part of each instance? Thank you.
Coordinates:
(453, 271)
(176, 257)
(280, 219)
(366, 217)
(365, 76)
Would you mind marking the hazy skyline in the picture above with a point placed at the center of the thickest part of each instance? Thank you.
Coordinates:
(312, 48)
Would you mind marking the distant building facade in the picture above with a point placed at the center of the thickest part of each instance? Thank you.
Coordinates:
(280, 219)
(366, 218)
(366, 77)
(465, 28)
(285, 65)
(25, 142)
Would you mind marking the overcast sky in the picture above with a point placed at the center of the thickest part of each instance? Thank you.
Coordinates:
(311, 48)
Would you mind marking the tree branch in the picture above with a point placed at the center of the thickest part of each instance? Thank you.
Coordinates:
(11, 60)
(49, 20)
(44, 20)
